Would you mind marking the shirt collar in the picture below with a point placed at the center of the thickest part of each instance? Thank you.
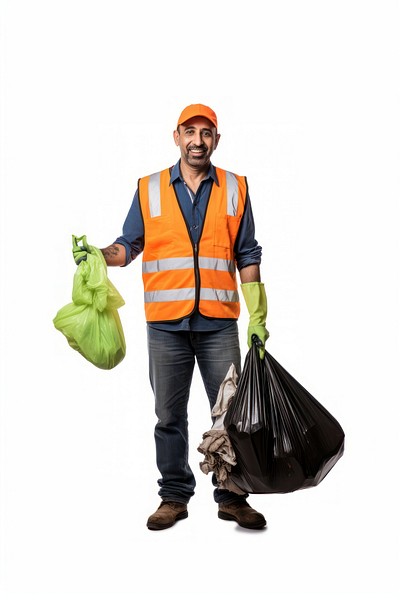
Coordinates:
(176, 174)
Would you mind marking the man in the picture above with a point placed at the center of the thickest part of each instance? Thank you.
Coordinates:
(194, 224)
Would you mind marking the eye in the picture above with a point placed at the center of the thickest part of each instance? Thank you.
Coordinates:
(206, 133)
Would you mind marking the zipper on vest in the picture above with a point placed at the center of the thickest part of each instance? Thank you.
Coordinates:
(196, 275)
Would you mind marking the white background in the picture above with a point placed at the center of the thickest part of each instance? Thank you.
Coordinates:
(307, 95)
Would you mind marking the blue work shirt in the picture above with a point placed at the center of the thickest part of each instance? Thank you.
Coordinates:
(193, 205)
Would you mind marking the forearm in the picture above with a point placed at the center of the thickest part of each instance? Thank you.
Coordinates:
(114, 255)
(256, 301)
(250, 273)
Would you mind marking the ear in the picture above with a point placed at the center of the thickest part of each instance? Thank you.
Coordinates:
(217, 138)
(176, 137)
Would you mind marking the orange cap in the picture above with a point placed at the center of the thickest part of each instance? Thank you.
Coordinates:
(198, 110)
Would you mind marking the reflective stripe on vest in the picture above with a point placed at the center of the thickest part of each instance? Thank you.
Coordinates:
(154, 195)
(190, 294)
(169, 264)
(232, 194)
(177, 279)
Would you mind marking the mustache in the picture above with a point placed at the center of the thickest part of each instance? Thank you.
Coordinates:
(202, 147)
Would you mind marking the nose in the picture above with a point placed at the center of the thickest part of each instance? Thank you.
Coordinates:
(198, 138)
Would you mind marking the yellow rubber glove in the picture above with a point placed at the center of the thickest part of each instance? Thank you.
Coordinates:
(80, 252)
(256, 302)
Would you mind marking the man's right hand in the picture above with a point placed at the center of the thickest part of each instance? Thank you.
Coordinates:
(80, 252)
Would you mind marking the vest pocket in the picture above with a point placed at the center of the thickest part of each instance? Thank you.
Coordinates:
(226, 230)
(158, 231)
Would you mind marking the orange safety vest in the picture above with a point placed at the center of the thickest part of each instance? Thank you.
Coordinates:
(178, 275)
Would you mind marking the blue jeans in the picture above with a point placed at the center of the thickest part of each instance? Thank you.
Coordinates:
(172, 357)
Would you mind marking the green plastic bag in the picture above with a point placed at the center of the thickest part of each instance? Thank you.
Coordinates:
(91, 323)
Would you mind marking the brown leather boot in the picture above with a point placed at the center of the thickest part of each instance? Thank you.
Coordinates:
(241, 512)
(167, 514)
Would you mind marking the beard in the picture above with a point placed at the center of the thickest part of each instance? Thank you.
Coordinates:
(197, 156)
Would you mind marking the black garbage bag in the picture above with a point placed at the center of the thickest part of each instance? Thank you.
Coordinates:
(283, 438)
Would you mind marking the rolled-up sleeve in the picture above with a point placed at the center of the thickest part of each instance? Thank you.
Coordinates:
(247, 250)
(132, 232)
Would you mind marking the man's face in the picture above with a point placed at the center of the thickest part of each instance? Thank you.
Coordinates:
(197, 140)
